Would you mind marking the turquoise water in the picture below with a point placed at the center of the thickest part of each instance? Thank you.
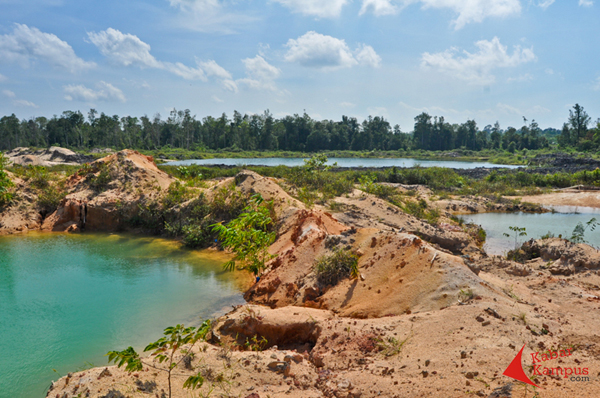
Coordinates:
(65, 300)
(536, 225)
(341, 162)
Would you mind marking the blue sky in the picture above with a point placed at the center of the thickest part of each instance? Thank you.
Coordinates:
(490, 60)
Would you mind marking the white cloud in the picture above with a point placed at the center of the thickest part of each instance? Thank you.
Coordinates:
(379, 7)
(261, 74)
(476, 10)
(477, 67)
(521, 78)
(211, 68)
(216, 99)
(546, 3)
(26, 44)
(586, 3)
(124, 49)
(319, 51)
(208, 16)
(596, 84)
(316, 8)
(529, 112)
(104, 92)
(468, 10)
(3, 78)
(18, 102)
(328, 53)
(347, 105)
(186, 72)
(366, 55)
(128, 50)
(549, 71)
(22, 102)
(509, 109)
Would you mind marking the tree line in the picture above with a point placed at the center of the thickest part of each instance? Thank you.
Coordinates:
(264, 132)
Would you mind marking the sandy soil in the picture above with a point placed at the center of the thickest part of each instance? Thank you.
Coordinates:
(572, 198)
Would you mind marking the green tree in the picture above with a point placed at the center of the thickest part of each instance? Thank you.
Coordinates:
(248, 236)
(164, 350)
(578, 234)
(518, 231)
(579, 121)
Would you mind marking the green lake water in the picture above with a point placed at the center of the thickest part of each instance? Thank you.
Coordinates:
(65, 300)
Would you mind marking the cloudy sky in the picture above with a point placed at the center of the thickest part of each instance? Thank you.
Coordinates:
(484, 59)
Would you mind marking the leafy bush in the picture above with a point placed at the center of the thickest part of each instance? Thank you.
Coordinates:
(176, 194)
(5, 183)
(420, 210)
(198, 235)
(102, 179)
(331, 269)
(50, 197)
(248, 236)
(37, 176)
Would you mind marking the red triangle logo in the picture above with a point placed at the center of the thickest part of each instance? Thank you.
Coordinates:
(515, 370)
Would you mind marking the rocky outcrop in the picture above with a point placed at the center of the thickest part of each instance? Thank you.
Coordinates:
(564, 257)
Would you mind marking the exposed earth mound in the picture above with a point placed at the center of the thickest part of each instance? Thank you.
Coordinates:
(106, 191)
(46, 157)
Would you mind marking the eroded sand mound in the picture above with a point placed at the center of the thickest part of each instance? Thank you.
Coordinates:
(106, 191)
(21, 215)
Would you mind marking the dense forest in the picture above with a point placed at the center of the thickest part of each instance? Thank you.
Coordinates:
(291, 133)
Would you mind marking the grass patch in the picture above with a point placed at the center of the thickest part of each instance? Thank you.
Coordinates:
(339, 265)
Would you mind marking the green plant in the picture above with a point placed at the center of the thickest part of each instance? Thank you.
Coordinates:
(50, 197)
(101, 180)
(5, 182)
(522, 316)
(391, 346)
(518, 231)
(464, 295)
(341, 264)
(510, 293)
(164, 351)
(577, 236)
(176, 194)
(38, 176)
(248, 236)
(255, 344)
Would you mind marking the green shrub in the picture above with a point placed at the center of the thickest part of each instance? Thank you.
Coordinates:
(176, 194)
(249, 236)
(198, 235)
(5, 183)
(331, 269)
(50, 197)
(102, 179)
(37, 176)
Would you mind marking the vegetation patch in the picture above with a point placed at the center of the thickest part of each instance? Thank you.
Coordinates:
(335, 267)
